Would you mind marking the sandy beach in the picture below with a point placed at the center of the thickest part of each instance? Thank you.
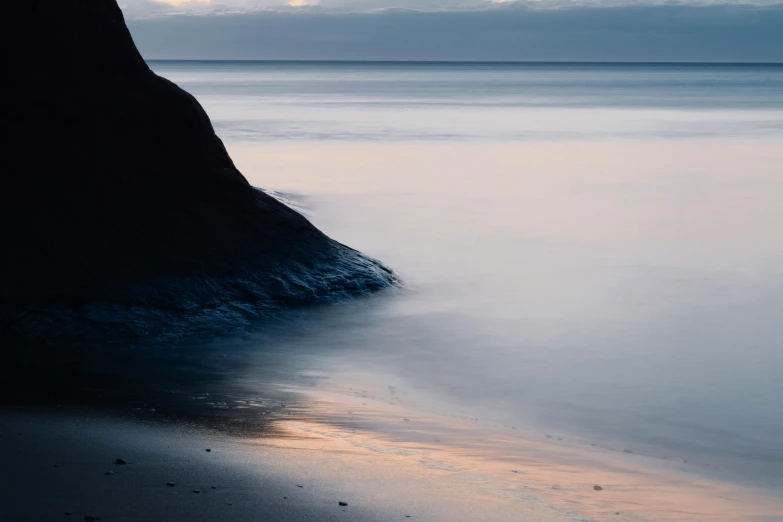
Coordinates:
(385, 458)
(66, 462)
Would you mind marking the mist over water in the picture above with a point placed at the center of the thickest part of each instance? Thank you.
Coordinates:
(589, 250)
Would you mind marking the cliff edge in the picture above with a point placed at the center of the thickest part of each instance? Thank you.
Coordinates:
(122, 213)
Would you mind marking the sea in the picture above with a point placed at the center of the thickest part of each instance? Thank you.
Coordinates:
(591, 254)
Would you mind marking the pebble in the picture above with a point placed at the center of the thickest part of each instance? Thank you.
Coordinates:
(109, 473)
(120, 461)
(627, 451)
(89, 518)
(555, 486)
(171, 484)
(597, 488)
(213, 487)
(68, 513)
(342, 503)
(208, 450)
(196, 491)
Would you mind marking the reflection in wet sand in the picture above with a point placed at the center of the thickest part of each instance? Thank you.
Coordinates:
(533, 471)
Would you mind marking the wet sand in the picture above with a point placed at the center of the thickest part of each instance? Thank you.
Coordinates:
(59, 463)
(344, 447)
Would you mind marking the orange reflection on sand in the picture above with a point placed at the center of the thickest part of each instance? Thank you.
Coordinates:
(526, 473)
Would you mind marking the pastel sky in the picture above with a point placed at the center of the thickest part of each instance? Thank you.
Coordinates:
(536, 30)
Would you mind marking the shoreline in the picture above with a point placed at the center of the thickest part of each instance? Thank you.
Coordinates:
(66, 463)
(339, 448)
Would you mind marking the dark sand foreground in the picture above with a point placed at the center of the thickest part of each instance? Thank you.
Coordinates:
(300, 465)
(60, 463)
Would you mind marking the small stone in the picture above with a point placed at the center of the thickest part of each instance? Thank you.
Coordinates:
(286, 498)
(342, 503)
(299, 486)
(109, 473)
(196, 491)
(555, 486)
(616, 512)
(213, 487)
(549, 436)
(171, 484)
(627, 451)
(597, 488)
(208, 450)
(406, 419)
(88, 518)
(514, 471)
(68, 513)
(120, 462)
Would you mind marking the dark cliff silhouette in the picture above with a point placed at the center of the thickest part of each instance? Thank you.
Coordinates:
(122, 213)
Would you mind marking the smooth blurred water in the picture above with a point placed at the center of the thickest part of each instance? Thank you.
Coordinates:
(593, 249)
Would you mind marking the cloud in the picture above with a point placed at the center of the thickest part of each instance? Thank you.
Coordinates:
(146, 8)
(497, 32)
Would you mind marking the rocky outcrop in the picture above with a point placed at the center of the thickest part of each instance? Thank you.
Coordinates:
(121, 211)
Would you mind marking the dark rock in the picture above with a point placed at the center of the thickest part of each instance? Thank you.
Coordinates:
(208, 450)
(171, 484)
(109, 473)
(120, 461)
(299, 486)
(213, 487)
(88, 518)
(196, 491)
(68, 513)
(116, 193)
(341, 503)
(597, 488)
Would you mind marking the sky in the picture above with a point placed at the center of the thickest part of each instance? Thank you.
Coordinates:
(521, 30)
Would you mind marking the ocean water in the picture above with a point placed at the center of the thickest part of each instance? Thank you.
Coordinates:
(589, 251)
